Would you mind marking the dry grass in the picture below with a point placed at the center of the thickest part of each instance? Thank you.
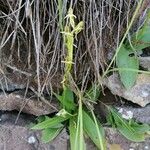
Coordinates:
(31, 42)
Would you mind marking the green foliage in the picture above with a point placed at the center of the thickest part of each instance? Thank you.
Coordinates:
(125, 63)
(81, 122)
(50, 133)
(93, 93)
(70, 32)
(76, 142)
(72, 131)
(123, 60)
(67, 99)
(141, 39)
(51, 122)
(90, 127)
(130, 129)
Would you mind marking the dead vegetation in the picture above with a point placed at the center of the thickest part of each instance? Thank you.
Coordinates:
(31, 45)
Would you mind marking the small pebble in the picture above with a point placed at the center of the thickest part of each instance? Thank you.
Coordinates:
(130, 114)
(146, 147)
(18, 96)
(120, 110)
(131, 148)
(127, 115)
(31, 140)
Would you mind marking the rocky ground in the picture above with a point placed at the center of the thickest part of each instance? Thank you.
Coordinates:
(15, 133)
(18, 136)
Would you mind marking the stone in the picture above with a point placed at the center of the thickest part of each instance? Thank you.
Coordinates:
(122, 142)
(30, 105)
(145, 62)
(139, 114)
(7, 82)
(14, 137)
(125, 108)
(139, 93)
(17, 135)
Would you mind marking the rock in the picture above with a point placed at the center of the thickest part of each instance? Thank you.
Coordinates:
(145, 62)
(122, 142)
(139, 93)
(7, 84)
(30, 105)
(125, 108)
(139, 114)
(17, 136)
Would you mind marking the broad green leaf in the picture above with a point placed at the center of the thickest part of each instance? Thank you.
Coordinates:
(90, 128)
(93, 93)
(130, 130)
(50, 123)
(124, 61)
(50, 133)
(72, 131)
(67, 99)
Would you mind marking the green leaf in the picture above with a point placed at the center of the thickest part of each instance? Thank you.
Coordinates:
(67, 99)
(50, 133)
(72, 131)
(141, 39)
(50, 123)
(79, 136)
(93, 93)
(140, 128)
(90, 128)
(124, 61)
(130, 130)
